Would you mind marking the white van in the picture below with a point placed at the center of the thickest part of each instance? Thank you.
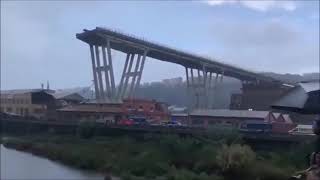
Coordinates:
(302, 129)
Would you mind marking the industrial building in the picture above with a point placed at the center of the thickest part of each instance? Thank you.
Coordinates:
(112, 112)
(150, 109)
(277, 122)
(38, 103)
(227, 117)
(282, 123)
(90, 111)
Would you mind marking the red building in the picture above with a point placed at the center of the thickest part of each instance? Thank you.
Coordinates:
(150, 109)
(282, 123)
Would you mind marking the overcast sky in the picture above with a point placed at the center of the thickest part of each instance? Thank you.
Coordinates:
(38, 40)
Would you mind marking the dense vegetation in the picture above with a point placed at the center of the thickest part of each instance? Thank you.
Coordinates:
(220, 156)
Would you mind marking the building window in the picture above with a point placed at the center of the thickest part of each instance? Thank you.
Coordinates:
(26, 111)
(9, 109)
(38, 110)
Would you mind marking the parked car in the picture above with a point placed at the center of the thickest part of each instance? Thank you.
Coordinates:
(302, 130)
(126, 122)
(172, 124)
(154, 122)
(140, 121)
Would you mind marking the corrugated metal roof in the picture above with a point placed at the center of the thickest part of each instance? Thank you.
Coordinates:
(23, 91)
(82, 91)
(287, 118)
(93, 108)
(276, 115)
(67, 95)
(230, 113)
(310, 86)
(177, 110)
(179, 114)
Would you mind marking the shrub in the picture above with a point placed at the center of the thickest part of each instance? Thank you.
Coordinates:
(86, 129)
(182, 174)
(267, 171)
(235, 156)
(206, 159)
(226, 135)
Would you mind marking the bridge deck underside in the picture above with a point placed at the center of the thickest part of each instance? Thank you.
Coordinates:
(128, 44)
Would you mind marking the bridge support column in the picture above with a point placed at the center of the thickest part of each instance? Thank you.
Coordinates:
(102, 73)
(197, 88)
(131, 77)
(95, 81)
(113, 86)
(99, 70)
(213, 83)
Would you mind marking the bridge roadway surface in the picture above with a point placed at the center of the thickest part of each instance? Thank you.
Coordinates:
(130, 44)
(184, 130)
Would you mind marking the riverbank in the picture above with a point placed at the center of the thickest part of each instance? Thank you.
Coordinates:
(23, 165)
(160, 157)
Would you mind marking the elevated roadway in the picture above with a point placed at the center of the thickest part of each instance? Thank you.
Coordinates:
(130, 44)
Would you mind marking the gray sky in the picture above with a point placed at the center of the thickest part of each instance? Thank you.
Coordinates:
(38, 38)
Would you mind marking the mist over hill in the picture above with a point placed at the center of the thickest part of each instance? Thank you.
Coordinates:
(293, 78)
(174, 91)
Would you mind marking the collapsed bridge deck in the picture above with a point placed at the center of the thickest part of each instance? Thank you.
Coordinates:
(129, 44)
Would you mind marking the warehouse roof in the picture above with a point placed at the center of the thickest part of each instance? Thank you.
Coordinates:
(92, 108)
(23, 91)
(230, 113)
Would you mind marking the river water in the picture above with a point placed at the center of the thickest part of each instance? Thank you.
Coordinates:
(17, 165)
